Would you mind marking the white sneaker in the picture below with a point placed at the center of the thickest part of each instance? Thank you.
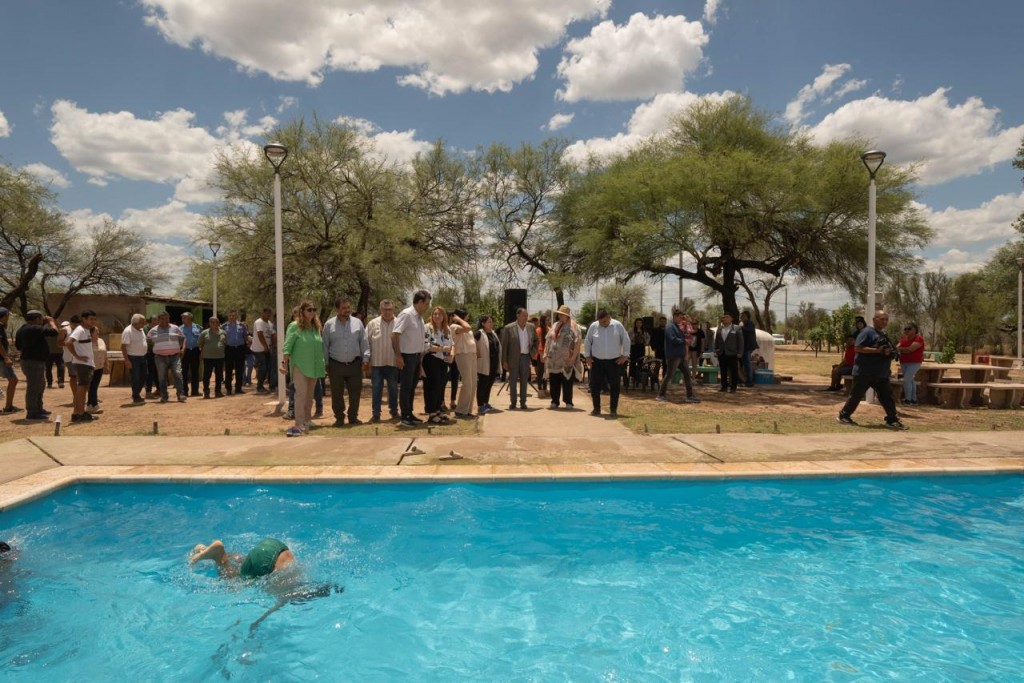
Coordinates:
(92, 408)
(659, 397)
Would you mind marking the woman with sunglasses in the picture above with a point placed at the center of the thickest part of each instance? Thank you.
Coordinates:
(303, 354)
(911, 348)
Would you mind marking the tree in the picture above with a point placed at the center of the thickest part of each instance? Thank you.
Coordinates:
(624, 301)
(115, 260)
(807, 317)
(33, 231)
(521, 189)
(353, 222)
(741, 195)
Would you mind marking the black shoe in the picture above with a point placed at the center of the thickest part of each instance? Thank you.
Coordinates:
(354, 421)
(261, 390)
(406, 423)
(415, 419)
(595, 413)
(81, 417)
(239, 390)
(897, 426)
(45, 413)
(569, 406)
(375, 419)
(512, 406)
(522, 406)
(218, 394)
(339, 423)
(613, 413)
(846, 419)
(36, 416)
(732, 390)
(11, 409)
(206, 394)
(722, 390)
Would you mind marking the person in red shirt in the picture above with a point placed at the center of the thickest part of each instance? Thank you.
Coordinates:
(846, 367)
(911, 348)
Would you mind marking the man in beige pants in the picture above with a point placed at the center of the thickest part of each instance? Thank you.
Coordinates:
(465, 360)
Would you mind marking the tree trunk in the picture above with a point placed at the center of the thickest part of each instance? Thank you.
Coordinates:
(728, 291)
(560, 296)
(364, 298)
(18, 291)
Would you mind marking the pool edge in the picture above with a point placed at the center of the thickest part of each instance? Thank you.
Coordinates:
(34, 486)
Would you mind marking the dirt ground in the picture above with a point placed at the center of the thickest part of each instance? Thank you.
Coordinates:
(791, 407)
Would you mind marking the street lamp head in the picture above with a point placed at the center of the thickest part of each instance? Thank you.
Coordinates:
(214, 247)
(275, 153)
(873, 161)
(1020, 262)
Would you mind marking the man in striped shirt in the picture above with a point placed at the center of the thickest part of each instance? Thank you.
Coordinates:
(168, 347)
(382, 360)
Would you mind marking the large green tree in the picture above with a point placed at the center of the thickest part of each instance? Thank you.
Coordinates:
(740, 194)
(353, 222)
(521, 190)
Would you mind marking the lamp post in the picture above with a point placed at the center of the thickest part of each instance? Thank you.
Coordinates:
(215, 247)
(1020, 301)
(276, 153)
(872, 161)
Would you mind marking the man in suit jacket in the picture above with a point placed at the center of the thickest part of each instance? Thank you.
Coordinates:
(518, 345)
(729, 349)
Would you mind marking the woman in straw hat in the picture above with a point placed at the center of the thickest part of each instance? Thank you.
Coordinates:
(561, 351)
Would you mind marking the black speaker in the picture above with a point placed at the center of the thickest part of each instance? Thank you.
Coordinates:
(648, 323)
(514, 298)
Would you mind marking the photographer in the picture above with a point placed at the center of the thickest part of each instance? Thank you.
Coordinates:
(871, 370)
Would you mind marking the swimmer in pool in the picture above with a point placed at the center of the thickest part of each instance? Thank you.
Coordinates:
(270, 555)
(5, 548)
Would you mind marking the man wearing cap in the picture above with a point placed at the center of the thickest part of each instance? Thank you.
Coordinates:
(606, 349)
(32, 340)
(190, 357)
(7, 369)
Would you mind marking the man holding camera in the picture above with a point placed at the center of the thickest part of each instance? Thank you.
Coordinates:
(871, 370)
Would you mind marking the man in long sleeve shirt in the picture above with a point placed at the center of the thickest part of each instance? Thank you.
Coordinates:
(347, 353)
(606, 348)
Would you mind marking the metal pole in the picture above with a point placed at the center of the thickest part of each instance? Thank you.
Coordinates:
(1020, 301)
(661, 297)
(282, 388)
(785, 309)
(869, 302)
(596, 297)
(215, 286)
(680, 281)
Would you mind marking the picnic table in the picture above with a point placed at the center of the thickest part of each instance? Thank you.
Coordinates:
(931, 375)
(1002, 395)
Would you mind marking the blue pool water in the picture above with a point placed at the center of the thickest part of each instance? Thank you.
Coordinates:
(812, 580)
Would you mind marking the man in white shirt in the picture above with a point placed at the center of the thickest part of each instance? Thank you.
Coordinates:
(382, 360)
(79, 346)
(606, 349)
(408, 340)
(262, 348)
(346, 353)
(518, 346)
(134, 347)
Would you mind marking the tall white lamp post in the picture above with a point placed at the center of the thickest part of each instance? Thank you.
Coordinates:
(276, 153)
(872, 161)
(1020, 306)
(215, 247)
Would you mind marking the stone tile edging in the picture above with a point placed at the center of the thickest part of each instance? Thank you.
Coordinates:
(40, 484)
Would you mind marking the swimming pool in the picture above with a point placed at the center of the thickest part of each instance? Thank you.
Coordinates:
(769, 580)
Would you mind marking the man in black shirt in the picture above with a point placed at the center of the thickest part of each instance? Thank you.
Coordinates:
(31, 340)
(871, 369)
(658, 344)
(749, 345)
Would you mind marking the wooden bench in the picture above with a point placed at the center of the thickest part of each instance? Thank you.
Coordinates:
(896, 384)
(1001, 395)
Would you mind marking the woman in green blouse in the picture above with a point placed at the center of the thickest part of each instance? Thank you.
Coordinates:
(304, 353)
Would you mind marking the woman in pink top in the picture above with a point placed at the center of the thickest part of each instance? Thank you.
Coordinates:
(911, 348)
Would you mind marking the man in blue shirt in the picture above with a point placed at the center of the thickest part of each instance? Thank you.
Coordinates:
(234, 353)
(606, 349)
(347, 352)
(871, 369)
(190, 358)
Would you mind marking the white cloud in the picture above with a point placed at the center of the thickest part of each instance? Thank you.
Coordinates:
(948, 140)
(286, 102)
(640, 59)
(711, 8)
(167, 149)
(957, 261)
(559, 121)
(5, 128)
(449, 45)
(990, 221)
(830, 74)
(47, 176)
(649, 119)
(159, 223)
(398, 146)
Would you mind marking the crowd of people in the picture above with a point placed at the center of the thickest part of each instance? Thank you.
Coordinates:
(396, 350)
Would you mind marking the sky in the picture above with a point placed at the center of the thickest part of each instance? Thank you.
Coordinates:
(122, 105)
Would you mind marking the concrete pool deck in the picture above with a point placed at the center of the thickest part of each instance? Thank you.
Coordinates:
(33, 467)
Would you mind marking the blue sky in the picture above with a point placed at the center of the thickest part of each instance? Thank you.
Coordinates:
(121, 105)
